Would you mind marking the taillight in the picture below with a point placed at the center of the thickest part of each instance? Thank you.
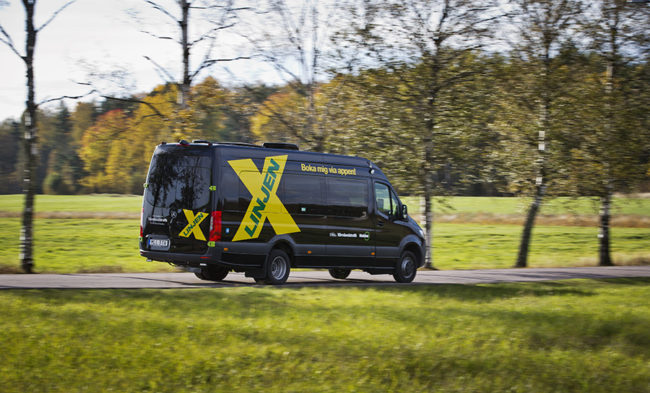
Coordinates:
(215, 226)
(141, 229)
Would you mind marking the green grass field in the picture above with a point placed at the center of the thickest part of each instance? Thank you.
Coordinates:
(85, 245)
(75, 203)
(519, 206)
(68, 245)
(490, 205)
(472, 246)
(569, 336)
(78, 245)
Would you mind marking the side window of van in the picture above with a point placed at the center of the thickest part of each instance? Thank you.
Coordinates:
(302, 194)
(347, 197)
(395, 204)
(382, 199)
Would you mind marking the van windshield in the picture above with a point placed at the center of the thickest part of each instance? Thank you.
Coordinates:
(179, 178)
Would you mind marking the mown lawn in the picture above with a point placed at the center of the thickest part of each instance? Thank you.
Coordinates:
(85, 245)
(519, 206)
(75, 203)
(490, 205)
(569, 336)
(69, 245)
(476, 246)
(78, 245)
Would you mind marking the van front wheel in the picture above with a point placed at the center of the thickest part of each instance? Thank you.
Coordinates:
(406, 268)
(278, 267)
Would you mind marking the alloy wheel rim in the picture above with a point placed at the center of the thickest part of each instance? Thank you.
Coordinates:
(278, 267)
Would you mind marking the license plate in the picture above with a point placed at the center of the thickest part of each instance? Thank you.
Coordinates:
(159, 244)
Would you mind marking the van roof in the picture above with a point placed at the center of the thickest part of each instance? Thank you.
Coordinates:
(283, 147)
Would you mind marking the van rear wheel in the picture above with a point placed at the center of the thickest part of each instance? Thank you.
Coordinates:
(341, 274)
(278, 267)
(212, 273)
(406, 268)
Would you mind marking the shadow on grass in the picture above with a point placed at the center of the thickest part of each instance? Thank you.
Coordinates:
(636, 281)
(488, 292)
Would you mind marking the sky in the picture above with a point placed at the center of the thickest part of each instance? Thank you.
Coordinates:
(97, 36)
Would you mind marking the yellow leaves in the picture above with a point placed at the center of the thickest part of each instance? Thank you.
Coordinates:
(116, 149)
(96, 145)
(281, 111)
(297, 114)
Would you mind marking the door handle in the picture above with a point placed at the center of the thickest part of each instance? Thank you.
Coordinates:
(380, 223)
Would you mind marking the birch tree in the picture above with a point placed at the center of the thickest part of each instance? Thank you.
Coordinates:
(292, 39)
(613, 147)
(541, 27)
(427, 45)
(30, 143)
(197, 28)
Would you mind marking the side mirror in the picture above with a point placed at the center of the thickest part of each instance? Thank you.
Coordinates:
(404, 212)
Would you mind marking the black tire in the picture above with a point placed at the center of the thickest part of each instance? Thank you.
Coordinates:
(278, 266)
(406, 268)
(341, 274)
(213, 273)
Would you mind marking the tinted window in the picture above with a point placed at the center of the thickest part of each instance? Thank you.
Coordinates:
(179, 179)
(302, 194)
(382, 198)
(347, 197)
(229, 189)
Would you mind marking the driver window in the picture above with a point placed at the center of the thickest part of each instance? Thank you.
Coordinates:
(382, 198)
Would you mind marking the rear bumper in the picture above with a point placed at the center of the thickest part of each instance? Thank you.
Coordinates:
(226, 254)
(181, 259)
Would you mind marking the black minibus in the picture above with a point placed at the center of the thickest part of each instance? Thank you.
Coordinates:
(213, 208)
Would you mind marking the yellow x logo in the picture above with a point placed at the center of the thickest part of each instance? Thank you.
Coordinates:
(192, 226)
(264, 202)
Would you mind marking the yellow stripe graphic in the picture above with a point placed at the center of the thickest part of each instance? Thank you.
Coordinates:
(264, 204)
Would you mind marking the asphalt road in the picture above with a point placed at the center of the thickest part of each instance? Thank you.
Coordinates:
(311, 278)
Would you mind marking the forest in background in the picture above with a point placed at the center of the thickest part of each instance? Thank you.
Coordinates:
(486, 140)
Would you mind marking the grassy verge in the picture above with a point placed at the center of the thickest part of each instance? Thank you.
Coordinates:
(69, 240)
(574, 336)
(83, 245)
(518, 205)
(77, 246)
(75, 203)
(476, 246)
(487, 205)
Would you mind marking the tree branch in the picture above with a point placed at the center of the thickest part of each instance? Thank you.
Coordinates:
(158, 7)
(55, 14)
(160, 37)
(208, 34)
(61, 98)
(210, 62)
(137, 101)
(9, 42)
(161, 70)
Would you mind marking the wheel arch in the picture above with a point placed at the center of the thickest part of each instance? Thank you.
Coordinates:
(412, 244)
(286, 246)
